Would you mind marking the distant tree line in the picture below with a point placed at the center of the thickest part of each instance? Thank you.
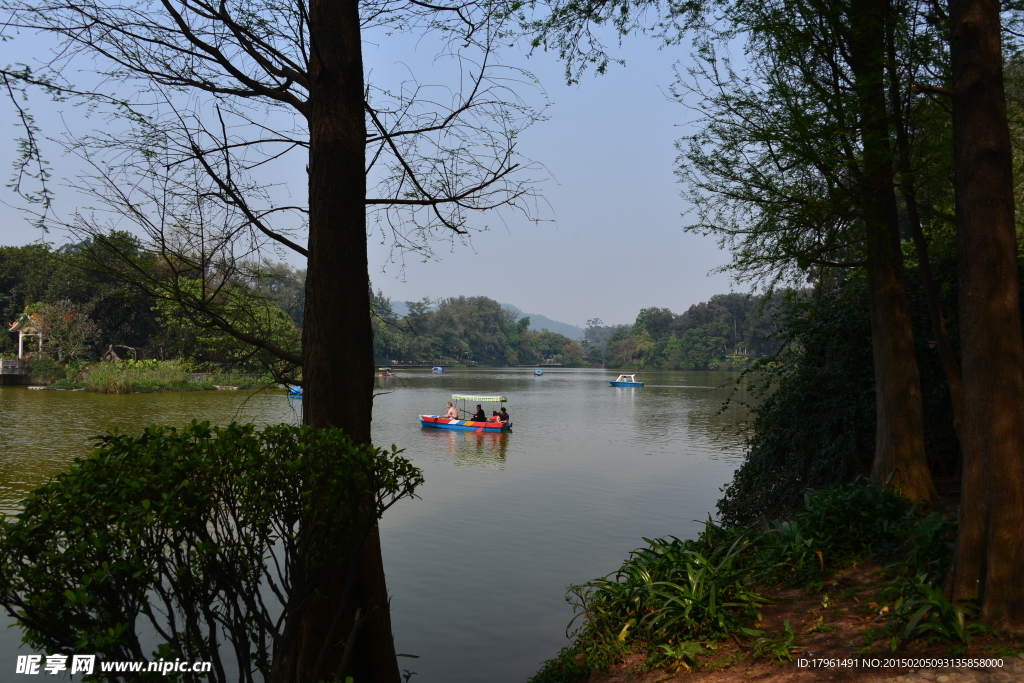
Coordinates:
(87, 312)
(700, 339)
(468, 329)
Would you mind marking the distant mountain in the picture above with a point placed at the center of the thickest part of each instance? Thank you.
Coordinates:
(542, 322)
(537, 322)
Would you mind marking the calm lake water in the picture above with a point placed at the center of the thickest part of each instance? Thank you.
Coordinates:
(478, 566)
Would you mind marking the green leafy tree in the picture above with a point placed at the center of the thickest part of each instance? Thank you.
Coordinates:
(193, 337)
(68, 331)
(699, 349)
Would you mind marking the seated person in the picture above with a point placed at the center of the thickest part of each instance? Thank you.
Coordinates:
(493, 417)
(452, 412)
(479, 415)
(503, 414)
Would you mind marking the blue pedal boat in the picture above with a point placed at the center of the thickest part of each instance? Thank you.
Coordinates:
(625, 381)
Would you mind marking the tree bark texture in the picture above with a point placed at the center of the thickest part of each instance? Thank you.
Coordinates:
(989, 555)
(899, 436)
(907, 186)
(337, 342)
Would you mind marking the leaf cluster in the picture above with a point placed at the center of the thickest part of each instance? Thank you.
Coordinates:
(196, 542)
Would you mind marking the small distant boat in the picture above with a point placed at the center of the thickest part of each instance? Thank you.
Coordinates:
(295, 392)
(385, 372)
(468, 425)
(625, 381)
(538, 372)
(437, 368)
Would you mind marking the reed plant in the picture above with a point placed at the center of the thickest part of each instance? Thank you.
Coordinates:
(129, 376)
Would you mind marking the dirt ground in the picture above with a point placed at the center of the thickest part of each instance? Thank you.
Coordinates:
(836, 629)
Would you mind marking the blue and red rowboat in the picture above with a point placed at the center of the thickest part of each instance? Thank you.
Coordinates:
(625, 381)
(468, 425)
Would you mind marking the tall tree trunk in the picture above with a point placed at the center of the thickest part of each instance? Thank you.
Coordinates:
(989, 555)
(337, 344)
(950, 366)
(899, 437)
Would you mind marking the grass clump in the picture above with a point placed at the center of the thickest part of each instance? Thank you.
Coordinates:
(129, 376)
(674, 600)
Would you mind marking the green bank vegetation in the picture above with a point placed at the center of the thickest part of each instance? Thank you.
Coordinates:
(676, 601)
(142, 376)
(725, 332)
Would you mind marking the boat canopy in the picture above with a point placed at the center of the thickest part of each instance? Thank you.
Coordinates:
(482, 399)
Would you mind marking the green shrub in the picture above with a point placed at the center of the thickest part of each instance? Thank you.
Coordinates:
(199, 534)
(46, 370)
(835, 526)
(561, 669)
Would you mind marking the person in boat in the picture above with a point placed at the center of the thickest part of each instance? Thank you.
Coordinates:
(452, 412)
(503, 415)
(494, 417)
(479, 415)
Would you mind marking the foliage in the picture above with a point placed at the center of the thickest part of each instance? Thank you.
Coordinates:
(835, 526)
(67, 329)
(129, 377)
(45, 370)
(923, 610)
(780, 647)
(674, 599)
(188, 334)
(465, 329)
(200, 534)
(698, 339)
(38, 273)
(670, 592)
(815, 423)
(562, 669)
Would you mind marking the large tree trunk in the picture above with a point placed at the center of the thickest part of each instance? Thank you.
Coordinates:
(899, 440)
(989, 556)
(907, 186)
(337, 344)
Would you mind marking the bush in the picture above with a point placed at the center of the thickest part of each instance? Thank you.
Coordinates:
(202, 535)
(46, 370)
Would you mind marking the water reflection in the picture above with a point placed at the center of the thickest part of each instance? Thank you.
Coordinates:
(464, 448)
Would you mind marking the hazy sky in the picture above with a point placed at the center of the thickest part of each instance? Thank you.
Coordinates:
(616, 243)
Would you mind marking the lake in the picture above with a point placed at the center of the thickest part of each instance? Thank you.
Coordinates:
(478, 566)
